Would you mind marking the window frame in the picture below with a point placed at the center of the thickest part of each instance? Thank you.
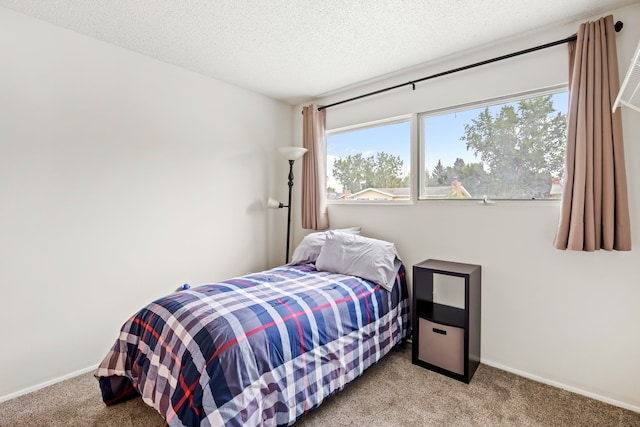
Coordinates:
(421, 146)
(413, 124)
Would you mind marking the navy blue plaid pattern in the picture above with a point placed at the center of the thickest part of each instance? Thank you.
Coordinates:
(258, 350)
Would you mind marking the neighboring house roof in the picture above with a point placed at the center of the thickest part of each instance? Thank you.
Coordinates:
(400, 193)
(390, 192)
(444, 191)
(397, 191)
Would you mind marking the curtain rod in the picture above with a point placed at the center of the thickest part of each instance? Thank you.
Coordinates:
(618, 28)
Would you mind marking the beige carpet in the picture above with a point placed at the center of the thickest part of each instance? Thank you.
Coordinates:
(392, 393)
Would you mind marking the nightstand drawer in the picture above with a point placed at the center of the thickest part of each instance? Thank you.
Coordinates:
(441, 345)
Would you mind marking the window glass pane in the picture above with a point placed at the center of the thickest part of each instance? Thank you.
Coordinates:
(510, 150)
(370, 163)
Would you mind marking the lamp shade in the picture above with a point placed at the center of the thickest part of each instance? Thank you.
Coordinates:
(292, 153)
(274, 204)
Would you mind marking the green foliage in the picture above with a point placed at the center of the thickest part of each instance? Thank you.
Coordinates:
(521, 149)
(357, 172)
(439, 176)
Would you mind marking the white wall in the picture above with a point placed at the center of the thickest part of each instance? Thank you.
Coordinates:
(566, 318)
(121, 178)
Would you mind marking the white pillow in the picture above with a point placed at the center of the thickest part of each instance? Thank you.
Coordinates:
(309, 249)
(354, 255)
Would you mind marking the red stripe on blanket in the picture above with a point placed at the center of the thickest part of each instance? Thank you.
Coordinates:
(188, 391)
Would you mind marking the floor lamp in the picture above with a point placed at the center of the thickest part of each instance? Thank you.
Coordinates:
(292, 154)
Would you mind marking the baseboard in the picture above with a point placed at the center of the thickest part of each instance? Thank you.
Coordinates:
(47, 383)
(562, 386)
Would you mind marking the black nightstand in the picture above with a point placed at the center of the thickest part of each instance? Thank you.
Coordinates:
(446, 339)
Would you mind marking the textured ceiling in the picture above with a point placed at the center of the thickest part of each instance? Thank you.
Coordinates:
(295, 50)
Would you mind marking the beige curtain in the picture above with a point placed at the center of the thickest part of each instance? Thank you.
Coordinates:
(314, 170)
(595, 208)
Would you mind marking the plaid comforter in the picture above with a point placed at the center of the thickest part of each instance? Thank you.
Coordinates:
(262, 349)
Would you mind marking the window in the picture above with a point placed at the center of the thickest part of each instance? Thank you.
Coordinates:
(370, 162)
(506, 149)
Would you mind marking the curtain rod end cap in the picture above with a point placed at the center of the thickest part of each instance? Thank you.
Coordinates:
(619, 26)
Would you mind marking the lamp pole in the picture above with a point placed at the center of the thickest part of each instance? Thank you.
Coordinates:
(289, 209)
(291, 154)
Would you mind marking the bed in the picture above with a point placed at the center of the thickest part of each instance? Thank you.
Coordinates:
(262, 349)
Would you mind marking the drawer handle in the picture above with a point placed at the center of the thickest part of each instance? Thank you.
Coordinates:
(439, 331)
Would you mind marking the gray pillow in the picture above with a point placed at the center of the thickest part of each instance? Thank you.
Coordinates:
(354, 255)
(309, 249)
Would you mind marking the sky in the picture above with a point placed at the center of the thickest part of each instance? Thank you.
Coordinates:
(393, 138)
(442, 132)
